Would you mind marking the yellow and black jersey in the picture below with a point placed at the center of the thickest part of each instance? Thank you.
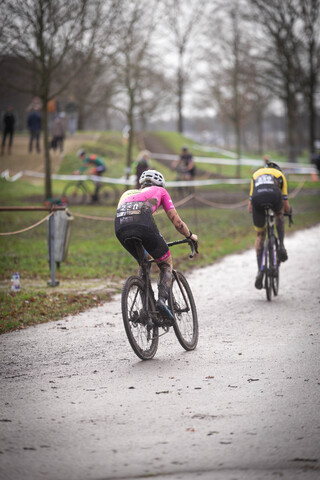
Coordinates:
(267, 177)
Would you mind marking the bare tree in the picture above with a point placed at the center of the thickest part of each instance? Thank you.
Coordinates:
(230, 80)
(280, 59)
(135, 63)
(40, 35)
(183, 23)
(93, 87)
(308, 11)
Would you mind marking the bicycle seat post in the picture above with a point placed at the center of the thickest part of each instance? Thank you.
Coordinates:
(269, 215)
(144, 264)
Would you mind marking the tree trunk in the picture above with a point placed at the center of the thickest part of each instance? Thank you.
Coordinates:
(80, 117)
(180, 101)
(312, 116)
(291, 106)
(238, 146)
(46, 148)
(260, 131)
(130, 140)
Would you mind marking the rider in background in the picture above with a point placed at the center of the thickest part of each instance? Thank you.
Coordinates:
(186, 160)
(98, 166)
(268, 187)
(134, 219)
(141, 165)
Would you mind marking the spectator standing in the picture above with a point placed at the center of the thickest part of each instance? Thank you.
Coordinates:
(266, 160)
(315, 159)
(34, 125)
(187, 162)
(8, 124)
(142, 165)
(58, 132)
(71, 110)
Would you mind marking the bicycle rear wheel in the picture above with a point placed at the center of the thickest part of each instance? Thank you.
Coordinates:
(183, 307)
(143, 338)
(268, 267)
(74, 194)
(108, 194)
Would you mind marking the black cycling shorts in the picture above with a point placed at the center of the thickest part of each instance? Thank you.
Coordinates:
(262, 197)
(135, 220)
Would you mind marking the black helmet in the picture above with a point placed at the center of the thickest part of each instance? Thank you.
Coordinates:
(273, 165)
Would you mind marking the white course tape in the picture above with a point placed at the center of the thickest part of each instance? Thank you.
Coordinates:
(289, 167)
(123, 180)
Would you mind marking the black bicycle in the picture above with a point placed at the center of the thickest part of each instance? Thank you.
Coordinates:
(81, 192)
(270, 263)
(140, 317)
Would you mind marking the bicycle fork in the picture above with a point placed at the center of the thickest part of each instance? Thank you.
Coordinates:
(187, 308)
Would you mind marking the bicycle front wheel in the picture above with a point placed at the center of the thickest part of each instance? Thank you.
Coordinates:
(142, 335)
(276, 271)
(268, 267)
(183, 307)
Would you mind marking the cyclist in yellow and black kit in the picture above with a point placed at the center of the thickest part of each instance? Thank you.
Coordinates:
(268, 187)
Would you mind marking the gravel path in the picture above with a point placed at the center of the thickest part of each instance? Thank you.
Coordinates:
(77, 404)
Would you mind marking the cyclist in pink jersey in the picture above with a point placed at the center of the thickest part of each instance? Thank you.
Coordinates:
(134, 219)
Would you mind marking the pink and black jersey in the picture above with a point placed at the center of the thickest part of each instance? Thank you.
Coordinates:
(154, 196)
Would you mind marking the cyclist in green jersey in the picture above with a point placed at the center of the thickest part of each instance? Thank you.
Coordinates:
(98, 166)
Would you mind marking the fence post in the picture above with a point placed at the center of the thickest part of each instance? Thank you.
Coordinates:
(53, 282)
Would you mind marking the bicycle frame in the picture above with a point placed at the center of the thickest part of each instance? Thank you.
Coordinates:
(145, 265)
(142, 319)
(270, 232)
(269, 262)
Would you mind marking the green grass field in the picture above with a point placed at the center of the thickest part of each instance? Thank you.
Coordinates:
(95, 256)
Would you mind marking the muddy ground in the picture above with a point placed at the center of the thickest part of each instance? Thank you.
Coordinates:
(77, 404)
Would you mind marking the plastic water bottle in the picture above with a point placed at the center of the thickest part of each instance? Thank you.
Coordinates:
(15, 282)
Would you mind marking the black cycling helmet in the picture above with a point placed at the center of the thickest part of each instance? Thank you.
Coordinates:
(273, 165)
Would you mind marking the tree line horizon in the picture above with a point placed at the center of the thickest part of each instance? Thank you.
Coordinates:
(134, 61)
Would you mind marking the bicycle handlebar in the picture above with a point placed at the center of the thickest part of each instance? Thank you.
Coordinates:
(267, 207)
(193, 245)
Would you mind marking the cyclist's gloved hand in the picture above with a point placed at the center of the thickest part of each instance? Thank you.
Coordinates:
(194, 239)
(290, 217)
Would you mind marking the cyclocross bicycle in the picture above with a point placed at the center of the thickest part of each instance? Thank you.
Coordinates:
(270, 262)
(141, 320)
(80, 192)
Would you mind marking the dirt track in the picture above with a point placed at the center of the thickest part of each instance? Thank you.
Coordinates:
(77, 404)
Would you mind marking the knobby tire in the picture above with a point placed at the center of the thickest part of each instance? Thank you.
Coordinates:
(183, 307)
(268, 270)
(144, 342)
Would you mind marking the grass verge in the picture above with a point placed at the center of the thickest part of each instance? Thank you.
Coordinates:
(22, 309)
(94, 252)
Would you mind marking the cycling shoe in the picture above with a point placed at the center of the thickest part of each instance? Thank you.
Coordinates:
(165, 312)
(283, 256)
(259, 279)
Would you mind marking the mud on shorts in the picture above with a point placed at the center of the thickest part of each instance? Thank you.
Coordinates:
(262, 197)
(134, 219)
